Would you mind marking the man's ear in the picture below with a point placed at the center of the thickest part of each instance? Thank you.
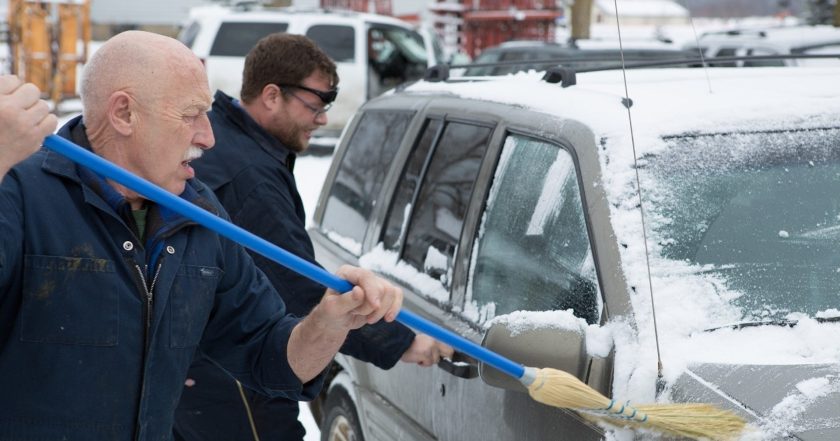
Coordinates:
(271, 97)
(120, 113)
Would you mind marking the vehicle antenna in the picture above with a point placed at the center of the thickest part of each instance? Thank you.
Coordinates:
(660, 382)
(700, 50)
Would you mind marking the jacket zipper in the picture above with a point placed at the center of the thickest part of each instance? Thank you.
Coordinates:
(149, 294)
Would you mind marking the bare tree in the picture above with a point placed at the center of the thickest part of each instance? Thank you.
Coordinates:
(836, 21)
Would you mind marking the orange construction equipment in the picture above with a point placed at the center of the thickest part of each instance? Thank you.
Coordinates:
(45, 37)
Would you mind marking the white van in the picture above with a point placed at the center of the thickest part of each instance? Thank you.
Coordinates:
(373, 53)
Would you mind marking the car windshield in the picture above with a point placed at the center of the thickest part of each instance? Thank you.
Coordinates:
(761, 211)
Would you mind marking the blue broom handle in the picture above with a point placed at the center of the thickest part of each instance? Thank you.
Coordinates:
(268, 249)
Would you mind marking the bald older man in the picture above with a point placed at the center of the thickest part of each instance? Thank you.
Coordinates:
(105, 297)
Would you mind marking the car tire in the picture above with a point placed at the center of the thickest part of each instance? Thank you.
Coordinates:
(342, 420)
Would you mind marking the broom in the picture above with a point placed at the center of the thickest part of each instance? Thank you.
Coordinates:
(549, 386)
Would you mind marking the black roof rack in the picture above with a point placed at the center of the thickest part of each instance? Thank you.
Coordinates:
(565, 75)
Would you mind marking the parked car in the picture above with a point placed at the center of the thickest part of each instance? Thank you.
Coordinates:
(507, 209)
(788, 40)
(516, 56)
(373, 53)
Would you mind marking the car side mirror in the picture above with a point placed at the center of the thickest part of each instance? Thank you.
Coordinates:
(563, 349)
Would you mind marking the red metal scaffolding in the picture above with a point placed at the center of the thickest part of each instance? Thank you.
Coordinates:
(472, 25)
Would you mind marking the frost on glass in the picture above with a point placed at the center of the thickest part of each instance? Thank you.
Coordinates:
(761, 211)
(370, 153)
(533, 250)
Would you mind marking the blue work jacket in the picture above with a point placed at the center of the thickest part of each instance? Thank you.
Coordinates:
(251, 173)
(98, 328)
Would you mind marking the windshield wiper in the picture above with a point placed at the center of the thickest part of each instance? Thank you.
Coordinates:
(776, 322)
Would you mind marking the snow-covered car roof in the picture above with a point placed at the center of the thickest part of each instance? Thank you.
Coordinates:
(669, 101)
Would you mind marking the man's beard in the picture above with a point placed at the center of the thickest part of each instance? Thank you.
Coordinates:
(292, 138)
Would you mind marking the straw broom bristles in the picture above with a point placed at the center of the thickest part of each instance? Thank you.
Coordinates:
(561, 389)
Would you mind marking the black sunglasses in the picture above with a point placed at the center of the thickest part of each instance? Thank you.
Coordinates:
(326, 97)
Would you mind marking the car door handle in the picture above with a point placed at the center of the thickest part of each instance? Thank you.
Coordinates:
(459, 365)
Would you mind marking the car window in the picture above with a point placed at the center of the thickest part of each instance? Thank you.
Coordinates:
(236, 39)
(532, 252)
(395, 56)
(823, 49)
(725, 52)
(437, 207)
(189, 34)
(762, 63)
(354, 194)
(409, 181)
(485, 57)
(339, 42)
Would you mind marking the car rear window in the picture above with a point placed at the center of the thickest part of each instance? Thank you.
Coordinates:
(189, 34)
(338, 42)
(236, 39)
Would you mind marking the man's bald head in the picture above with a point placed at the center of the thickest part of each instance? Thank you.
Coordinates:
(137, 63)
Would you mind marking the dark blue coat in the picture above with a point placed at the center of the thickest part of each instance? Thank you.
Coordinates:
(251, 173)
(97, 330)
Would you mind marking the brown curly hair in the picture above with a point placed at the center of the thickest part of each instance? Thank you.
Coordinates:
(282, 58)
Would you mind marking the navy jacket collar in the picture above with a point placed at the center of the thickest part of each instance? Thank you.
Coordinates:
(226, 106)
(162, 221)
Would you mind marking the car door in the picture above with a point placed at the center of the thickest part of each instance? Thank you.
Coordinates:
(421, 234)
(531, 252)
(537, 221)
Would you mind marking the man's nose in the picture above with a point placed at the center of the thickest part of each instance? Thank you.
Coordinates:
(204, 136)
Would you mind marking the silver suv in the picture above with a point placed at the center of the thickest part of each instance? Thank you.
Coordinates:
(507, 209)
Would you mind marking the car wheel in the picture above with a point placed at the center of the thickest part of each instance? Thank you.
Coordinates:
(342, 421)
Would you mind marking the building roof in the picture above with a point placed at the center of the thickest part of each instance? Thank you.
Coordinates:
(642, 8)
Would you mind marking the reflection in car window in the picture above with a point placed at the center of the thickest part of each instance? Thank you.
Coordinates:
(395, 224)
(339, 42)
(361, 174)
(759, 210)
(533, 250)
(236, 39)
(440, 204)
